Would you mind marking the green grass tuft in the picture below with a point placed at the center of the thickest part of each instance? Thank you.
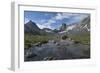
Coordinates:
(84, 38)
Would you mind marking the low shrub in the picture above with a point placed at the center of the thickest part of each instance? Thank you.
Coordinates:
(76, 42)
(44, 42)
(64, 37)
(27, 45)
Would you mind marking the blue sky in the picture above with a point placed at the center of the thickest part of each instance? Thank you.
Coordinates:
(53, 20)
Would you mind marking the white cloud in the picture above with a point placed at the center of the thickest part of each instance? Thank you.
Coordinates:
(61, 16)
(42, 21)
(51, 21)
(40, 26)
(46, 25)
(81, 16)
(58, 16)
(26, 20)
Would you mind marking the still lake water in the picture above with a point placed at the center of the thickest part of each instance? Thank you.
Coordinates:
(61, 50)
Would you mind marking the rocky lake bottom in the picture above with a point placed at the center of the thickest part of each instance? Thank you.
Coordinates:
(59, 50)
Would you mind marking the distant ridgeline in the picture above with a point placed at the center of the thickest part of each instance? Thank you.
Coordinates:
(75, 28)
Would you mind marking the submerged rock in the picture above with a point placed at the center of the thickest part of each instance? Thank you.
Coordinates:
(49, 58)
